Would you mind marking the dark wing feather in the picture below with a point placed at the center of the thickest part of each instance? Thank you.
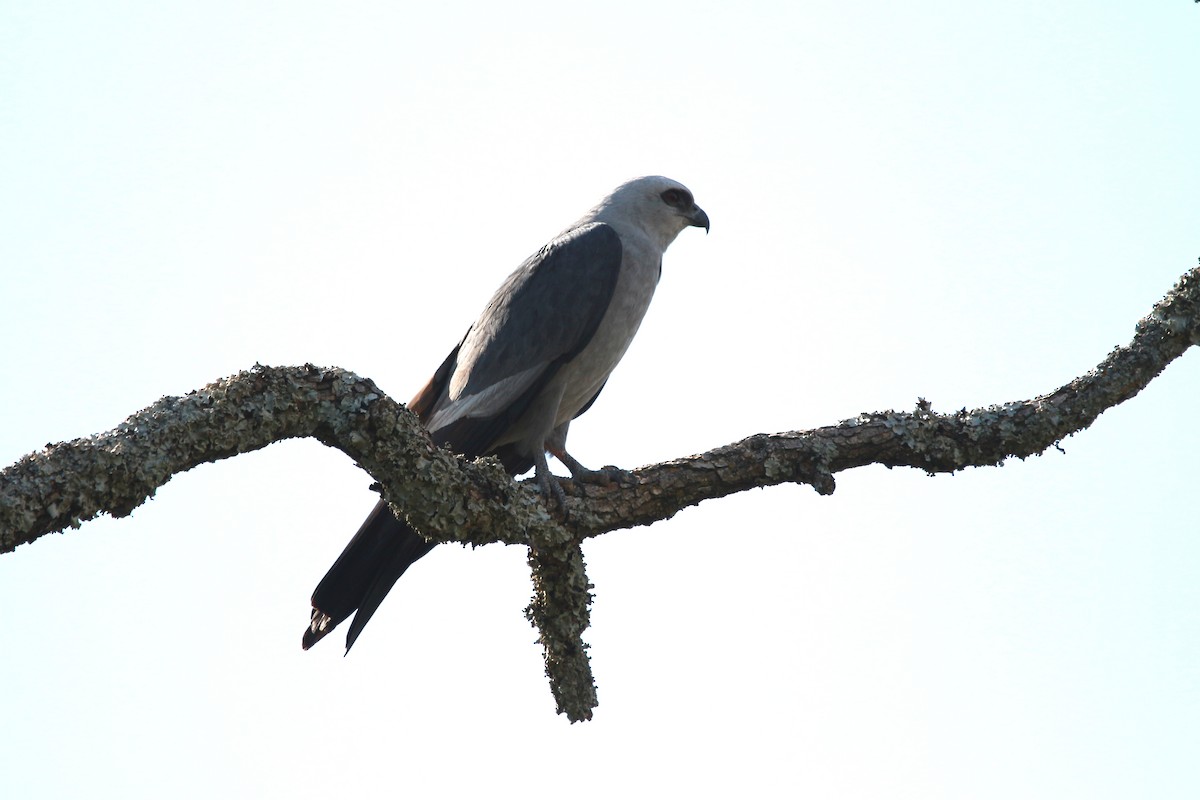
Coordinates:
(473, 437)
(547, 310)
(543, 315)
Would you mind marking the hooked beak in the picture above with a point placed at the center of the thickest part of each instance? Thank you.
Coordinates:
(697, 218)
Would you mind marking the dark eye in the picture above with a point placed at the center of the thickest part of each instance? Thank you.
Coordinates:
(677, 198)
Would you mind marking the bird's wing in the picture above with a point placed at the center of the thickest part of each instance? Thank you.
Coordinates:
(539, 319)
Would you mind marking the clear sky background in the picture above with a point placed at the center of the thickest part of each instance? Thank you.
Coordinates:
(968, 202)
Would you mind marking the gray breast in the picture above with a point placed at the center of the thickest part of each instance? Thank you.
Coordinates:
(585, 374)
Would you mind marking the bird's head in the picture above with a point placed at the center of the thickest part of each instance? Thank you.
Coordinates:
(661, 206)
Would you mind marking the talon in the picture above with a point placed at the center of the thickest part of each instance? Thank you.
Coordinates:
(552, 490)
(549, 487)
(621, 477)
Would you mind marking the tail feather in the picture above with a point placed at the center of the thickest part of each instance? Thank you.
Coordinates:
(411, 548)
(320, 625)
(363, 574)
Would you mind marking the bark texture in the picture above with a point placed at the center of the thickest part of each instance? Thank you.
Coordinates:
(451, 500)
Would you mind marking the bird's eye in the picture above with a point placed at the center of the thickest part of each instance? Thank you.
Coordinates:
(676, 198)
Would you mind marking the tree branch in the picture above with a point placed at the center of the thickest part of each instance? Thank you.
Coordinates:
(921, 438)
(450, 500)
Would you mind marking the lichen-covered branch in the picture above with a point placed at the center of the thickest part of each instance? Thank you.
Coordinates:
(115, 472)
(448, 499)
(561, 598)
(920, 438)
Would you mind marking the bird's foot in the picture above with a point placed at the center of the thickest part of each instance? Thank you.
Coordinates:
(605, 476)
(552, 492)
(550, 487)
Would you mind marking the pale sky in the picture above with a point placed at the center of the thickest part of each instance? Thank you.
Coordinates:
(971, 203)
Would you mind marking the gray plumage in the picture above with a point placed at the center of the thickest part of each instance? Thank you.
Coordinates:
(536, 358)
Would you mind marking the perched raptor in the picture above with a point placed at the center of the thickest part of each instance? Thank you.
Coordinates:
(536, 358)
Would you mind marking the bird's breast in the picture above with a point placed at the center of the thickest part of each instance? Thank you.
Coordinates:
(588, 371)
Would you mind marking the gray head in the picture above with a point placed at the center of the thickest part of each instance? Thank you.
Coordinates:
(660, 206)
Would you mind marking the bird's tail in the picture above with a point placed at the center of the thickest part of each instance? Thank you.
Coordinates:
(363, 574)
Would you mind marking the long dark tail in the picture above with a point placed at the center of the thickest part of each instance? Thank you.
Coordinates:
(363, 574)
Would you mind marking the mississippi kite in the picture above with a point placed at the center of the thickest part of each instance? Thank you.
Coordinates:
(536, 358)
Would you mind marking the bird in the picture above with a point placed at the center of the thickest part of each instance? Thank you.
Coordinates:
(536, 358)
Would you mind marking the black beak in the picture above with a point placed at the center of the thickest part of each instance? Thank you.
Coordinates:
(697, 218)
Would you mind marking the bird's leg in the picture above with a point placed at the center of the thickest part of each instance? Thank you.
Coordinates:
(603, 476)
(556, 445)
